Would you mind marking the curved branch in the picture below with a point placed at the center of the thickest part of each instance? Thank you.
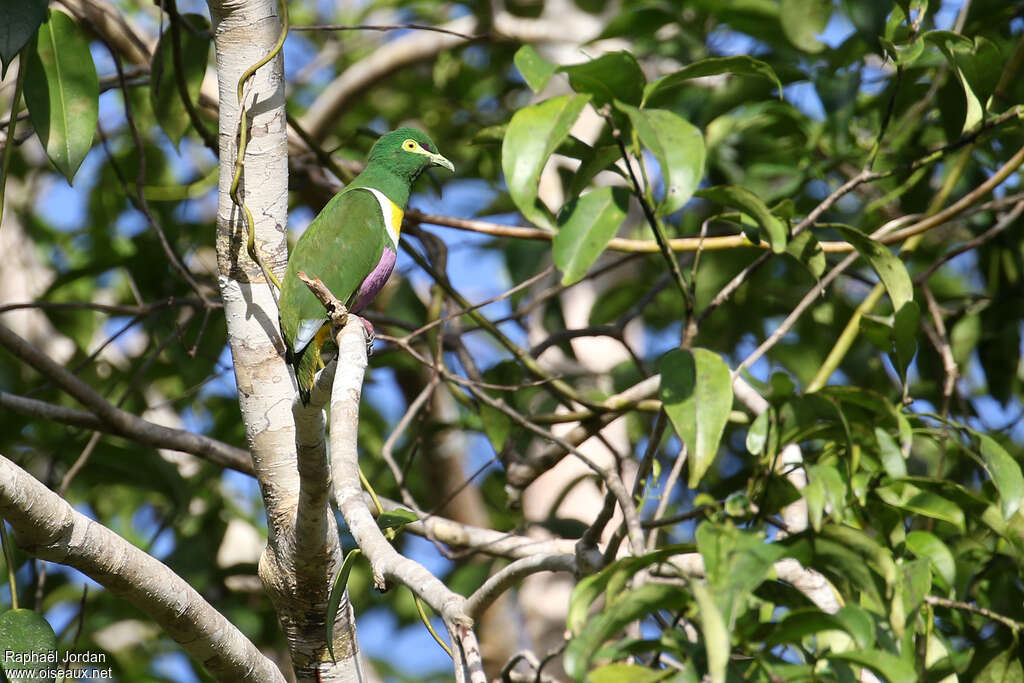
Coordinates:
(109, 417)
(48, 527)
(385, 561)
(495, 585)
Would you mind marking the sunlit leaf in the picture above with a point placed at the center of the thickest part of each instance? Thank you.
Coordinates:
(716, 635)
(679, 148)
(774, 229)
(696, 389)
(536, 70)
(532, 135)
(889, 267)
(1005, 473)
(630, 607)
(889, 666)
(585, 226)
(62, 92)
(803, 20)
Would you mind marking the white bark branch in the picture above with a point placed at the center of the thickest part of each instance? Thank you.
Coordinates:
(47, 527)
(385, 562)
(302, 551)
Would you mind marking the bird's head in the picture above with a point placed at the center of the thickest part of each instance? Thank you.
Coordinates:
(407, 152)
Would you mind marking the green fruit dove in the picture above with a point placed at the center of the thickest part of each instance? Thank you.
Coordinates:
(351, 246)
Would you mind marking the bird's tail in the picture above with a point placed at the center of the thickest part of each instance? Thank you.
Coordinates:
(308, 363)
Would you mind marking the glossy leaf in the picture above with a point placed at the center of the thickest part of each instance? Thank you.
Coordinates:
(164, 91)
(627, 673)
(531, 137)
(679, 148)
(630, 607)
(803, 20)
(773, 229)
(396, 519)
(913, 499)
(889, 267)
(1005, 473)
(18, 23)
(741, 65)
(610, 77)
(25, 632)
(757, 435)
(536, 70)
(62, 92)
(696, 389)
(591, 587)
(338, 589)
(798, 624)
(892, 668)
(890, 454)
(585, 226)
(714, 631)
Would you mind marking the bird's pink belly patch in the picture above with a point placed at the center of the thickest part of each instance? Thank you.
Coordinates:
(374, 282)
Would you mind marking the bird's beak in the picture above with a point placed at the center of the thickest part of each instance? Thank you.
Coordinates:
(438, 160)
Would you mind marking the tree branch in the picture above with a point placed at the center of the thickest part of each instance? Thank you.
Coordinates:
(110, 418)
(48, 527)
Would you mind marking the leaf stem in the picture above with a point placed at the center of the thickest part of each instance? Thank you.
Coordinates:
(9, 145)
(9, 558)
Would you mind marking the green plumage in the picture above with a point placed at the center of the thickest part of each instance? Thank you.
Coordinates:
(345, 243)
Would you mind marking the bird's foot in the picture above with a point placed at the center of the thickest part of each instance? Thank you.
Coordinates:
(371, 336)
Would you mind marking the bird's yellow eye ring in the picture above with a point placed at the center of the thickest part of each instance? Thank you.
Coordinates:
(409, 145)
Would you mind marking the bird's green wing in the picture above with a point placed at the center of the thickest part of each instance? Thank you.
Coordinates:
(341, 246)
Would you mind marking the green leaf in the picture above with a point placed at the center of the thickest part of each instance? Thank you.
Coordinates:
(164, 91)
(890, 454)
(1005, 473)
(630, 607)
(716, 635)
(888, 266)
(536, 70)
(611, 577)
(610, 77)
(18, 22)
(749, 203)
(904, 336)
(338, 588)
(739, 65)
(396, 519)
(913, 499)
(62, 92)
(735, 563)
(757, 435)
(806, 249)
(25, 632)
(928, 545)
(1004, 668)
(585, 225)
(803, 20)
(696, 389)
(889, 666)
(532, 135)
(679, 148)
(957, 50)
(627, 673)
(798, 624)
